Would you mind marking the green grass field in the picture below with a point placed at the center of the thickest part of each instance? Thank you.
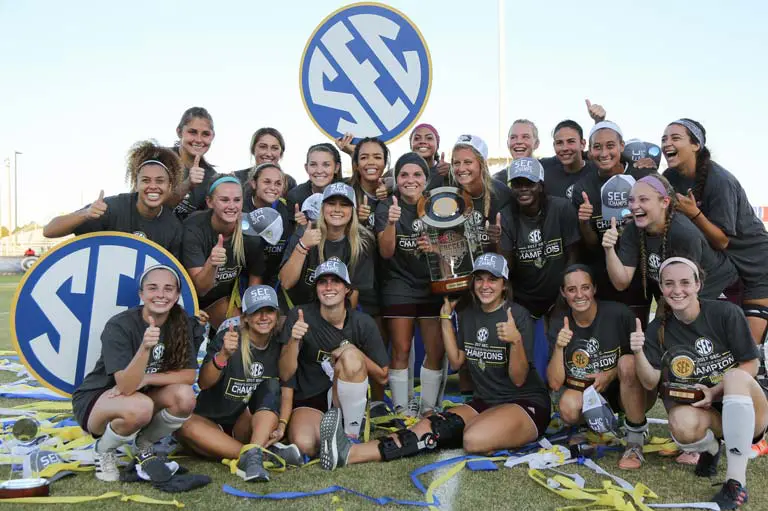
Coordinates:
(502, 489)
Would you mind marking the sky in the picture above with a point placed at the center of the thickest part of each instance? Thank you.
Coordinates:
(82, 81)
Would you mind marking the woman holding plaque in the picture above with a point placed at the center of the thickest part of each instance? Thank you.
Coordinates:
(656, 233)
(405, 288)
(703, 354)
(489, 196)
(590, 347)
(510, 407)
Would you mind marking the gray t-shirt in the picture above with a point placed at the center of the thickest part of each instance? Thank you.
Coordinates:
(194, 200)
(683, 240)
(559, 182)
(500, 198)
(488, 357)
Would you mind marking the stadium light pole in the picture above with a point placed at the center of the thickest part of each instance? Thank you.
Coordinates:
(16, 190)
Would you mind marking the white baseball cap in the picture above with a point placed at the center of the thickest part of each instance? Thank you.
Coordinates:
(476, 142)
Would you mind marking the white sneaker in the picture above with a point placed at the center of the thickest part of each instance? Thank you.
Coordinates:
(106, 466)
(414, 407)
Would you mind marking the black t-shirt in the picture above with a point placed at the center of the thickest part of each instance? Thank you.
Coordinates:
(165, 229)
(684, 240)
(501, 196)
(558, 181)
(488, 357)
(606, 339)
(538, 251)
(368, 297)
(273, 254)
(200, 238)
(122, 338)
(717, 339)
(435, 180)
(227, 399)
(194, 200)
(361, 274)
(299, 194)
(724, 202)
(322, 338)
(405, 275)
(592, 182)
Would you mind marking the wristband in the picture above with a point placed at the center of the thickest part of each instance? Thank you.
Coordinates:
(694, 217)
(284, 422)
(443, 316)
(216, 363)
(302, 245)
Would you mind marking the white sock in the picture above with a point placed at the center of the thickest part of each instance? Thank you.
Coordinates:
(738, 429)
(708, 444)
(110, 440)
(352, 399)
(161, 425)
(398, 384)
(412, 369)
(430, 388)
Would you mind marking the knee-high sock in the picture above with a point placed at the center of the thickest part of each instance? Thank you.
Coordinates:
(110, 440)
(352, 400)
(738, 429)
(708, 444)
(398, 384)
(161, 425)
(430, 388)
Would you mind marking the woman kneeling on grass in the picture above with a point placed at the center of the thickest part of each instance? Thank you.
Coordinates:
(511, 404)
(141, 386)
(243, 407)
(708, 344)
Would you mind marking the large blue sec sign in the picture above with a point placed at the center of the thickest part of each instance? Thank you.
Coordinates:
(366, 70)
(61, 306)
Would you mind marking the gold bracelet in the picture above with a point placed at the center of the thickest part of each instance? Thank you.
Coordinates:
(283, 421)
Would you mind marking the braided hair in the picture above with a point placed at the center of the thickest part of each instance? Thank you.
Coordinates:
(664, 233)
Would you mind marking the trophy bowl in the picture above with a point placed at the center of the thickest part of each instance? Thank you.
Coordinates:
(24, 430)
(678, 366)
(578, 355)
(445, 217)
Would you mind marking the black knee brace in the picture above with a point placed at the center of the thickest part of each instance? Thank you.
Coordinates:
(410, 445)
(753, 310)
(448, 429)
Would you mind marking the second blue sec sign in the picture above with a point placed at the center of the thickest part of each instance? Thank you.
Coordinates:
(366, 70)
(62, 304)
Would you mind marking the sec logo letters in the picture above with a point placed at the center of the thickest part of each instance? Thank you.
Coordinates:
(366, 70)
(61, 306)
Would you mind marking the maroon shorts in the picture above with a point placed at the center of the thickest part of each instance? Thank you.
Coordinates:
(318, 402)
(412, 310)
(540, 415)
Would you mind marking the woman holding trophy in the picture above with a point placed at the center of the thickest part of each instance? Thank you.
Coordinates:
(703, 354)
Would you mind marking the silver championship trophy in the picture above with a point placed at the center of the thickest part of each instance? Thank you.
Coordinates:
(445, 216)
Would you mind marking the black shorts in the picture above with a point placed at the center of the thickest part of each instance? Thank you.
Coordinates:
(82, 405)
(412, 310)
(540, 415)
(318, 402)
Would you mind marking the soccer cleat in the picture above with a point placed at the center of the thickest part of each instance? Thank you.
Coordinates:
(106, 466)
(731, 496)
(707, 464)
(334, 444)
(250, 466)
(414, 408)
(759, 449)
(290, 453)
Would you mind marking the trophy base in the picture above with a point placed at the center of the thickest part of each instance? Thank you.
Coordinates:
(450, 286)
(681, 393)
(19, 488)
(579, 384)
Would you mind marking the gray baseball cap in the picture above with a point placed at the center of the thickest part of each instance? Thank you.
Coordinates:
(494, 264)
(264, 222)
(340, 190)
(258, 297)
(529, 168)
(333, 266)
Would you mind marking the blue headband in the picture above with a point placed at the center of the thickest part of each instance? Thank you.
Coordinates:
(224, 179)
(695, 130)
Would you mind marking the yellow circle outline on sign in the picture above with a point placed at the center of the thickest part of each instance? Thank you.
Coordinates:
(418, 32)
(14, 301)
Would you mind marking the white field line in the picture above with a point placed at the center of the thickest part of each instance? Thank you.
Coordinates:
(446, 493)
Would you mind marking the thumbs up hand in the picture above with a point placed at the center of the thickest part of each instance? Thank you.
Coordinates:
(299, 328)
(299, 217)
(443, 167)
(565, 334)
(394, 212)
(151, 335)
(218, 253)
(596, 112)
(97, 208)
(231, 341)
(196, 173)
(611, 236)
(494, 231)
(364, 210)
(507, 331)
(637, 338)
(312, 236)
(586, 209)
(381, 191)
